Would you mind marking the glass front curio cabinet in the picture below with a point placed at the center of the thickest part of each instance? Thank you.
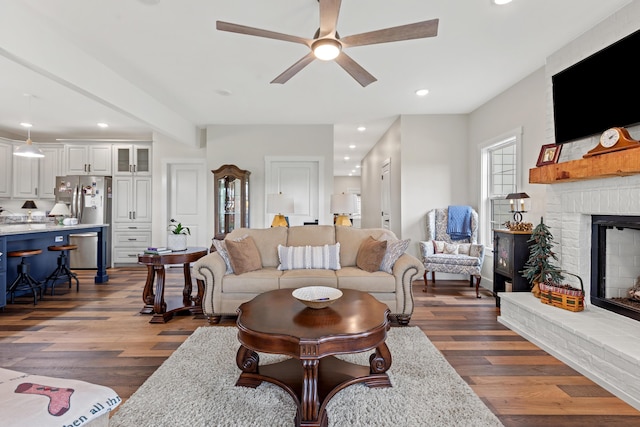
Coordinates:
(231, 199)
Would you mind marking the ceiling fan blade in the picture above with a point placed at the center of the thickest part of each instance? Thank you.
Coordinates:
(251, 31)
(329, 10)
(418, 30)
(361, 75)
(294, 69)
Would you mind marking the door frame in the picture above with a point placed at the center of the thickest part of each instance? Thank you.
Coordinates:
(201, 164)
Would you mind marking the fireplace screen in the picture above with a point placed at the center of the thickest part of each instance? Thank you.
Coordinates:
(615, 264)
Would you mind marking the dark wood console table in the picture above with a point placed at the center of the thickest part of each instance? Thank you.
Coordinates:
(163, 310)
(275, 322)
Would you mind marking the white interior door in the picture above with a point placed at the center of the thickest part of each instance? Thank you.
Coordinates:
(187, 200)
(385, 197)
(297, 179)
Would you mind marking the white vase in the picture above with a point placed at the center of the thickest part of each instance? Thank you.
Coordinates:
(177, 242)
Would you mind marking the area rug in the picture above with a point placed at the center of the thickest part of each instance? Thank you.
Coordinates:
(195, 386)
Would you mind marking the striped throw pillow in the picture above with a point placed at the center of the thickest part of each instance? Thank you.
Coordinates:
(325, 257)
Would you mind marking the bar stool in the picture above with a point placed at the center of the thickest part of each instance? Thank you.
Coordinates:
(24, 281)
(62, 271)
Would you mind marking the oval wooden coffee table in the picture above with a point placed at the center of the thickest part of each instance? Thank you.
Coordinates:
(275, 322)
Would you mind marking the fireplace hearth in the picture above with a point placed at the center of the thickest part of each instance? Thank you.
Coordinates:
(613, 272)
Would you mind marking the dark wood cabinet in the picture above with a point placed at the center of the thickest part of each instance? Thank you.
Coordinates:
(510, 253)
(231, 206)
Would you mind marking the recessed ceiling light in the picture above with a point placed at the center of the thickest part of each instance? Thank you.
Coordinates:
(103, 125)
(422, 92)
(353, 171)
(346, 157)
(26, 125)
(352, 146)
(361, 128)
(350, 174)
(357, 166)
(501, 2)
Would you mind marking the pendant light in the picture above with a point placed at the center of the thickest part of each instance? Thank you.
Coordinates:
(28, 149)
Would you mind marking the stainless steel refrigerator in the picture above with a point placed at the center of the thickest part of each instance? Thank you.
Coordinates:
(89, 198)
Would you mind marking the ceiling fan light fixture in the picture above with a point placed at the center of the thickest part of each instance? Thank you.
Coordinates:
(326, 49)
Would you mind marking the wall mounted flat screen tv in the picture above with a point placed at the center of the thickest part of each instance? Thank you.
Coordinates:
(599, 92)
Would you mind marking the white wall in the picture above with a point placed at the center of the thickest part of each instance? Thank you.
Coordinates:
(246, 146)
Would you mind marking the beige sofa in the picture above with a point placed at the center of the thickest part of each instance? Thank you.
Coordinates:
(225, 292)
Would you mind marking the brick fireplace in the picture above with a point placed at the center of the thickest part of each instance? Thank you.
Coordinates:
(598, 342)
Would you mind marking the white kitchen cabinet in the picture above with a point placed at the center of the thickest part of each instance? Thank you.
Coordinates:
(131, 218)
(132, 159)
(132, 199)
(51, 165)
(88, 159)
(25, 177)
(129, 240)
(6, 168)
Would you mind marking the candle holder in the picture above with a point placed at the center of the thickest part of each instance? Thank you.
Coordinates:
(516, 200)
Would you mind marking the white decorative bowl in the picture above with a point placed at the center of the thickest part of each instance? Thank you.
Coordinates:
(317, 296)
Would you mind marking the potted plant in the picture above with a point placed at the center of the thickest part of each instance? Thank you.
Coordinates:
(177, 238)
(539, 267)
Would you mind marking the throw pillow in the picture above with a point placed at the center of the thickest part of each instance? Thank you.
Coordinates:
(221, 248)
(451, 249)
(244, 255)
(370, 254)
(325, 257)
(395, 249)
(464, 248)
(438, 246)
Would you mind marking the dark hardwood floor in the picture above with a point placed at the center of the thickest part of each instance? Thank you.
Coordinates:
(98, 335)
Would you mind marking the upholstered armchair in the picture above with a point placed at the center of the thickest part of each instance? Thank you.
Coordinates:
(441, 252)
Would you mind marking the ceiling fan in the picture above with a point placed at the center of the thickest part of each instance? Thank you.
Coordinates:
(328, 45)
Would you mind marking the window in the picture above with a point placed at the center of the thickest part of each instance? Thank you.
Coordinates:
(500, 176)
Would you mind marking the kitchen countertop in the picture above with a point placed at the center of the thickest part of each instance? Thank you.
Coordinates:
(26, 228)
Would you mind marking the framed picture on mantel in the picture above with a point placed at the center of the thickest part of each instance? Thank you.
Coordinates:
(549, 154)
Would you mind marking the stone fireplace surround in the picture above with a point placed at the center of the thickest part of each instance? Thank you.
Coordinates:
(602, 345)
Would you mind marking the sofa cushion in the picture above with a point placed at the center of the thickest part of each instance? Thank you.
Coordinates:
(244, 255)
(395, 249)
(355, 278)
(293, 279)
(325, 257)
(351, 238)
(312, 235)
(267, 241)
(370, 254)
(263, 280)
(452, 259)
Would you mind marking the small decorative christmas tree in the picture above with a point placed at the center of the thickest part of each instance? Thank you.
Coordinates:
(539, 267)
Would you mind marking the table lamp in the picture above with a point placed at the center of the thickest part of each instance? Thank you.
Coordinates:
(279, 204)
(29, 204)
(343, 205)
(60, 210)
(516, 203)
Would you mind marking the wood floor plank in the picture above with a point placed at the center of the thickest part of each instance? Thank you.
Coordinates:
(98, 335)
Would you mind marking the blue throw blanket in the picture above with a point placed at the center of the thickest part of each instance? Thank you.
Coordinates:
(459, 224)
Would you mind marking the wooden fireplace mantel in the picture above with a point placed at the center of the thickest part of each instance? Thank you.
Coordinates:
(618, 163)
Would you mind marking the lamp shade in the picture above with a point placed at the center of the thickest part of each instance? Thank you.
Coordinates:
(28, 150)
(517, 196)
(59, 209)
(280, 204)
(343, 203)
(29, 204)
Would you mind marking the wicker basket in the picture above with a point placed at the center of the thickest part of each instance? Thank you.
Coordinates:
(570, 299)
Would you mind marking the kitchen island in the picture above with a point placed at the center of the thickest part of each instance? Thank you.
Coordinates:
(15, 237)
